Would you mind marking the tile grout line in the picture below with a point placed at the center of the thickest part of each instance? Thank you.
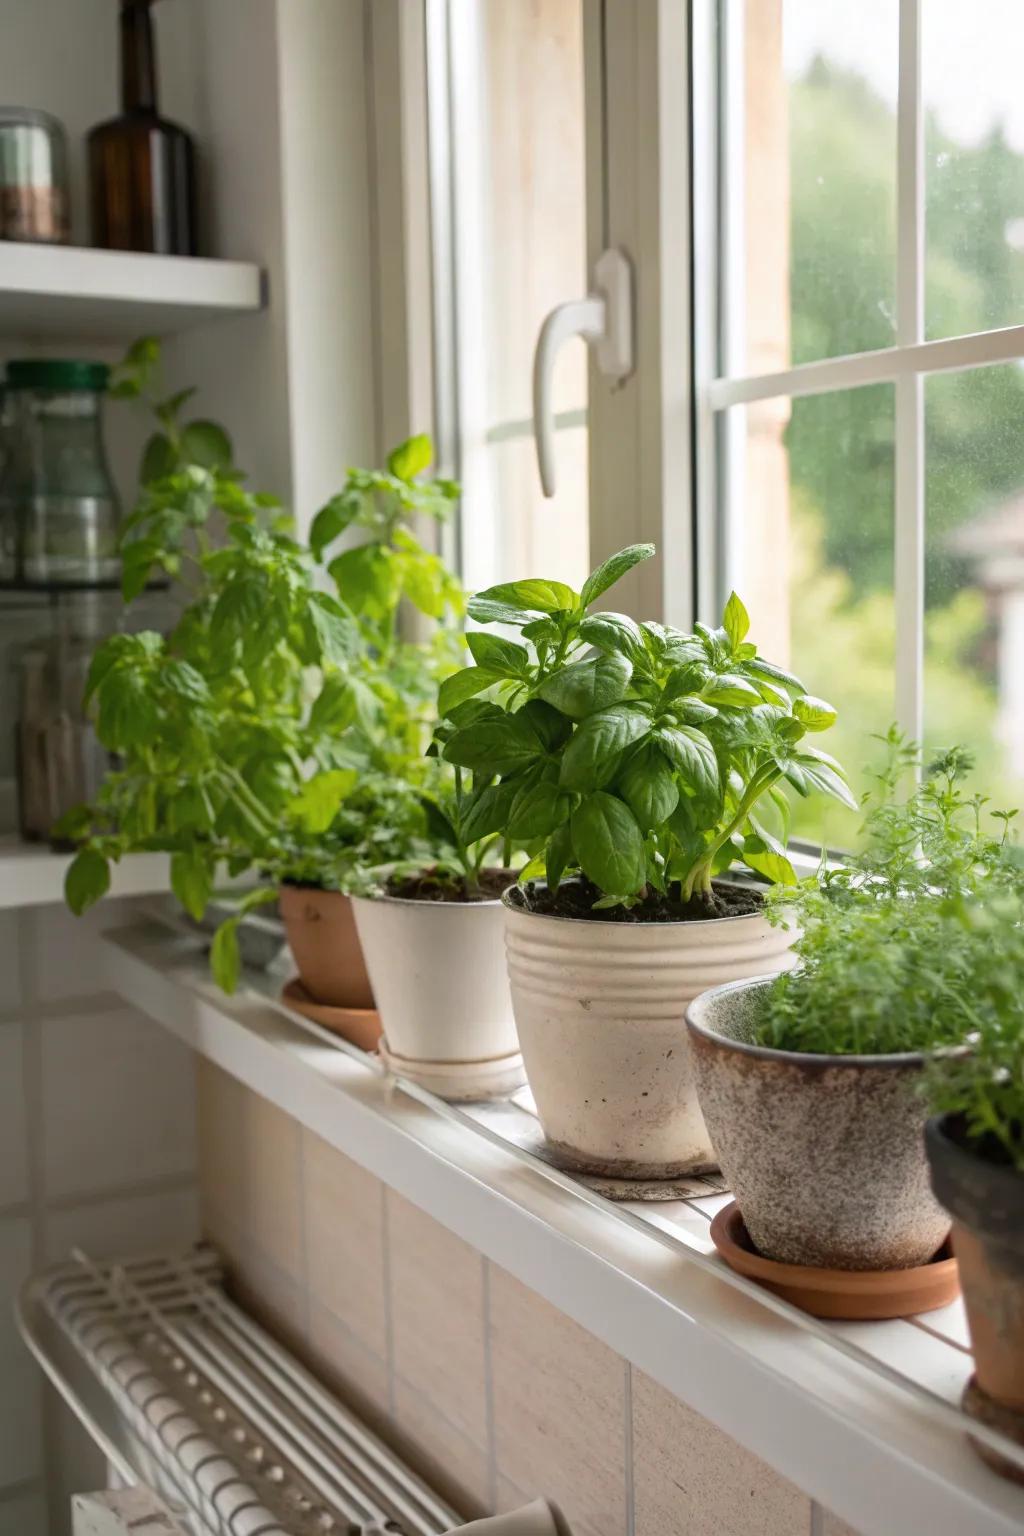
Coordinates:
(167, 1183)
(32, 1079)
(389, 1327)
(304, 1236)
(627, 1404)
(489, 1410)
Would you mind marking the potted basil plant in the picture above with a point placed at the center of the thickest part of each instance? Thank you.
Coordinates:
(813, 1084)
(636, 764)
(976, 1152)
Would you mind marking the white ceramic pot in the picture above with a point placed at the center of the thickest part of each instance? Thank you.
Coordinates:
(600, 1011)
(439, 978)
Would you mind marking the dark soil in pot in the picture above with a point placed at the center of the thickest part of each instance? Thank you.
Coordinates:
(984, 1194)
(825, 1154)
(576, 898)
(438, 885)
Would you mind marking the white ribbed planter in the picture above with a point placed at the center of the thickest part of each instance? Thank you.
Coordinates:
(600, 1011)
(439, 978)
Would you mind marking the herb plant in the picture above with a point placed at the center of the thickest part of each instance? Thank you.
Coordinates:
(892, 947)
(279, 727)
(647, 758)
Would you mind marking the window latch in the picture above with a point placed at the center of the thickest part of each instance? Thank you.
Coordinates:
(604, 318)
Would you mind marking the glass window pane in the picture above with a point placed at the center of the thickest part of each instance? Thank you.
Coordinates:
(811, 498)
(816, 188)
(974, 593)
(517, 82)
(509, 528)
(974, 158)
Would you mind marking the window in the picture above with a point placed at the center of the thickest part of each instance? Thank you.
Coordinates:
(506, 90)
(861, 470)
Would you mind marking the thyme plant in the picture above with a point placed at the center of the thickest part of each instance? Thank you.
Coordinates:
(892, 951)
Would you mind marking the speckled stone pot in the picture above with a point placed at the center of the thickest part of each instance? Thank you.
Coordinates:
(825, 1154)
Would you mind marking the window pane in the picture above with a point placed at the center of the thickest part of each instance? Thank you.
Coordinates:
(510, 530)
(517, 80)
(818, 205)
(974, 157)
(974, 621)
(811, 493)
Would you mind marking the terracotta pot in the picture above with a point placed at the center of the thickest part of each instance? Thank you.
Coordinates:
(599, 1006)
(825, 1154)
(439, 977)
(986, 1202)
(325, 946)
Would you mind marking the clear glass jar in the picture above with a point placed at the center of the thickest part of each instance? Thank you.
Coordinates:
(34, 202)
(59, 511)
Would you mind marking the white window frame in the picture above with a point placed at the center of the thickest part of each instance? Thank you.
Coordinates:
(906, 365)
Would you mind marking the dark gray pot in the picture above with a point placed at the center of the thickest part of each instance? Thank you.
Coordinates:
(825, 1154)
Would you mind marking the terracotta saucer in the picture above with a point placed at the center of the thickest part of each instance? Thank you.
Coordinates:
(359, 1026)
(839, 1293)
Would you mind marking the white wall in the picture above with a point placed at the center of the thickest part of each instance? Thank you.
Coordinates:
(97, 1149)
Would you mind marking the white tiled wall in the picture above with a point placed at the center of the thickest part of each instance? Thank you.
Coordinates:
(97, 1149)
(493, 1394)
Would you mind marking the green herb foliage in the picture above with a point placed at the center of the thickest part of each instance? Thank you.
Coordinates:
(892, 944)
(281, 726)
(642, 756)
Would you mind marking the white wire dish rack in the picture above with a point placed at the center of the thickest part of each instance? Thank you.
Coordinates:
(185, 1393)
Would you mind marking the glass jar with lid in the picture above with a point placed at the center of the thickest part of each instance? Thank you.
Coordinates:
(33, 177)
(59, 510)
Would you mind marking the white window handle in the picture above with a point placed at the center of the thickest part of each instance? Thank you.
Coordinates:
(605, 317)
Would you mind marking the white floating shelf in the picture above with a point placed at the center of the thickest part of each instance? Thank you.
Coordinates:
(31, 874)
(70, 293)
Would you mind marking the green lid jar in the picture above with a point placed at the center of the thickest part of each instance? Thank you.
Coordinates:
(59, 510)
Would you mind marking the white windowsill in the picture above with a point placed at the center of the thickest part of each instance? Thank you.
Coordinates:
(877, 1453)
(31, 874)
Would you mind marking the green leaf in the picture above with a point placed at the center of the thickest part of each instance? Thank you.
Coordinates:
(463, 685)
(495, 747)
(612, 570)
(439, 826)
(191, 881)
(558, 855)
(158, 459)
(137, 560)
(730, 688)
(206, 444)
(225, 960)
(318, 801)
(411, 458)
(758, 856)
(331, 521)
(487, 813)
(506, 657)
(182, 679)
(608, 844)
(366, 579)
(593, 754)
(334, 707)
(537, 810)
(535, 596)
(694, 711)
(820, 775)
(87, 879)
(758, 667)
(814, 713)
(484, 610)
(336, 632)
(614, 632)
(586, 686)
(687, 679)
(736, 621)
(553, 728)
(648, 786)
(692, 755)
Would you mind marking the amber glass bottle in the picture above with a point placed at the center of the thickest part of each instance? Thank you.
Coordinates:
(141, 167)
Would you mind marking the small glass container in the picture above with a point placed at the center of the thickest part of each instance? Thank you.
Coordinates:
(59, 511)
(34, 203)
